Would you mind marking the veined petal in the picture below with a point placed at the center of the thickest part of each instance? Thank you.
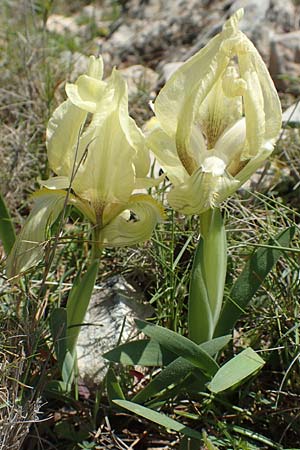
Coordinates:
(56, 183)
(189, 112)
(106, 175)
(86, 93)
(164, 149)
(230, 145)
(203, 190)
(122, 231)
(271, 102)
(253, 105)
(95, 69)
(133, 134)
(147, 182)
(178, 103)
(88, 90)
(254, 163)
(218, 112)
(62, 137)
(169, 103)
(142, 157)
(28, 248)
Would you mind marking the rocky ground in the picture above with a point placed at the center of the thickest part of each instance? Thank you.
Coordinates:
(155, 33)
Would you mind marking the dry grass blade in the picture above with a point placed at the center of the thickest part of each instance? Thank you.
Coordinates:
(16, 415)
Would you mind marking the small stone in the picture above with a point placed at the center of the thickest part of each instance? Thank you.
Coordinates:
(123, 37)
(111, 313)
(292, 115)
(59, 24)
(75, 63)
(283, 15)
(139, 78)
(285, 61)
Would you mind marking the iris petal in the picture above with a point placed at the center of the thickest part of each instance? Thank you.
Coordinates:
(203, 190)
(165, 151)
(62, 137)
(123, 232)
(28, 249)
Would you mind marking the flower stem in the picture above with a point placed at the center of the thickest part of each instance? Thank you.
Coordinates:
(96, 249)
(207, 277)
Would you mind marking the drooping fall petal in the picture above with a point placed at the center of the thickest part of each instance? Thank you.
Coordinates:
(125, 230)
(28, 249)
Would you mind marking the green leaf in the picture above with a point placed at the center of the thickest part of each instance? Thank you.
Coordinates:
(158, 418)
(58, 326)
(114, 390)
(180, 345)
(78, 303)
(7, 231)
(142, 353)
(66, 361)
(236, 370)
(207, 277)
(172, 374)
(177, 370)
(249, 281)
(57, 386)
(215, 345)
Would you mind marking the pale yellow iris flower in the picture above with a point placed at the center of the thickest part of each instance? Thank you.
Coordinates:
(100, 158)
(217, 120)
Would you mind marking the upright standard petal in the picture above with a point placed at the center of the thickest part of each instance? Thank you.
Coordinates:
(62, 138)
(87, 92)
(106, 175)
(165, 151)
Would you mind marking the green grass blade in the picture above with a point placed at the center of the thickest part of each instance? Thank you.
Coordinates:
(180, 345)
(78, 302)
(58, 326)
(160, 419)
(65, 360)
(236, 370)
(114, 390)
(7, 231)
(255, 271)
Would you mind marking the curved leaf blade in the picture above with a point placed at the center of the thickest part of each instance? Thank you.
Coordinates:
(78, 303)
(141, 353)
(180, 345)
(236, 370)
(7, 231)
(160, 419)
(255, 271)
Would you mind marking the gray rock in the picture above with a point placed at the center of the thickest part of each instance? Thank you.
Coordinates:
(62, 25)
(292, 115)
(255, 13)
(284, 63)
(139, 79)
(122, 38)
(109, 319)
(170, 68)
(75, 63)
(283, 16)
